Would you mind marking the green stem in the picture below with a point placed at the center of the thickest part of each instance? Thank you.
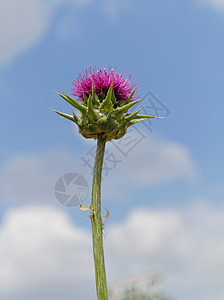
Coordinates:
(96, 220)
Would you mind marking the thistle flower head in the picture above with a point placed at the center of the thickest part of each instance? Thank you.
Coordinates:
(102, 80)
(106, 97)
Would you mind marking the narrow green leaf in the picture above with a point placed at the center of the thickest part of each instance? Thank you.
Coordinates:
(102, 94)
(118, 112)
(147, 117)
(132, 115)
(140, 118)
(113, 98)
(123, 102)
(132, 122)
(85, 99)
(107, 104)
(95, 98)
(132, 94)
(77, 105)
(76, 119)
(66, 116)
(91, 113)
(73, 102)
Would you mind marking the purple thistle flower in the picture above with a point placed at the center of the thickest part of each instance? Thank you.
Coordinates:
(102, 79)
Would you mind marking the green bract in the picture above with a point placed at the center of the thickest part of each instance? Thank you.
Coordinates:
(107, 116)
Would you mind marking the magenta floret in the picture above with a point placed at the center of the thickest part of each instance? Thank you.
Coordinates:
(102, 79)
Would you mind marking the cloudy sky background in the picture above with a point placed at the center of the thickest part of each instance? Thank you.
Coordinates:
(165, 196)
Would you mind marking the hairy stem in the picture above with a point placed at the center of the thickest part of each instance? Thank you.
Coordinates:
(96, 220)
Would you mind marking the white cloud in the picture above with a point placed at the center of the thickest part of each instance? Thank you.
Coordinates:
(187, 245)
(44, 256)
(156, 160)
(23, 23)
(152, 161)
(218, 4)
(27, 178)
(30, 178)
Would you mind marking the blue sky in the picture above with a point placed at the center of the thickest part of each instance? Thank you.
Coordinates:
(173, 176)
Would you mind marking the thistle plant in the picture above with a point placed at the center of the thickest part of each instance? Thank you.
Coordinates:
(103, 100)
